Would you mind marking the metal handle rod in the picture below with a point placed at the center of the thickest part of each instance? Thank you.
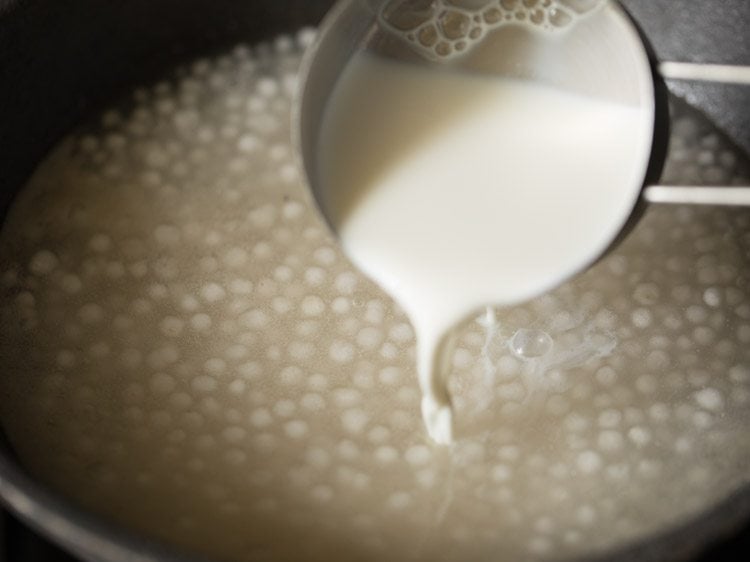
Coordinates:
(738, 196)
(698, 195)
(726, 73)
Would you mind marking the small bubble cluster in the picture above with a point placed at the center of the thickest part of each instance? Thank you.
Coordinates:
(444, 29)
(186, 350)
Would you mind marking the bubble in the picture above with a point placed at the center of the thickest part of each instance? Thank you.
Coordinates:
(249, 144)
(354, 420)
(530, 344)
(306, 36)
(215, 366)
(399, 501)
(501, 473)
(646, 384)
(585, 515)
(444, 28)
(379, 434)
(346, 283)
(213, 292)
(43, 262)
(157, 292)
(702, 420)
(369, 338)
(589, 462)
(261, 418)
(315, 276)
(696, 314)
(201, 322)
(254, 319)
(709, 399)
(610, 441)
(341, 352)
(263, 217)
(642, 318)
(640, 436)
(267, 87)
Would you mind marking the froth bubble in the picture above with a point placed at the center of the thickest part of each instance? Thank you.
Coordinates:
(639, 436)
(43, 262)
(341, 351)
(445, 29)
(212, 292)
(710, 399)
(354, 420)
(296, 429)
(399, 501)
(501, 473)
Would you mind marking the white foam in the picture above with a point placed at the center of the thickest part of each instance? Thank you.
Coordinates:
(447, 29)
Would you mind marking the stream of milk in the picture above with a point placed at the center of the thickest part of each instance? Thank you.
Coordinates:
(454, 191)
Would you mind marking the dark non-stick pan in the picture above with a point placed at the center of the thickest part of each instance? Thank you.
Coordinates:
(61, 61)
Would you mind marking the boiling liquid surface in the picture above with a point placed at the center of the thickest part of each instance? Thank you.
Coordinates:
(455, 191)
(187, 352)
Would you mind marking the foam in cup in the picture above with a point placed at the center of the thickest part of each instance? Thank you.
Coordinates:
(447, 29)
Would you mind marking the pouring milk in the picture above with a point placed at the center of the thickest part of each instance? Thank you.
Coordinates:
(455, 191)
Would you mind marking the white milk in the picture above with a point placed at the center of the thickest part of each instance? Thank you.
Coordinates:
(456, 191)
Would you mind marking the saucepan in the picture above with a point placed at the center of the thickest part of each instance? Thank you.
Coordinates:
(303, 439)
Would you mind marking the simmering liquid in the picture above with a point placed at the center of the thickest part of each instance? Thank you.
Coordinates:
(454, 191)
(186, 351)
